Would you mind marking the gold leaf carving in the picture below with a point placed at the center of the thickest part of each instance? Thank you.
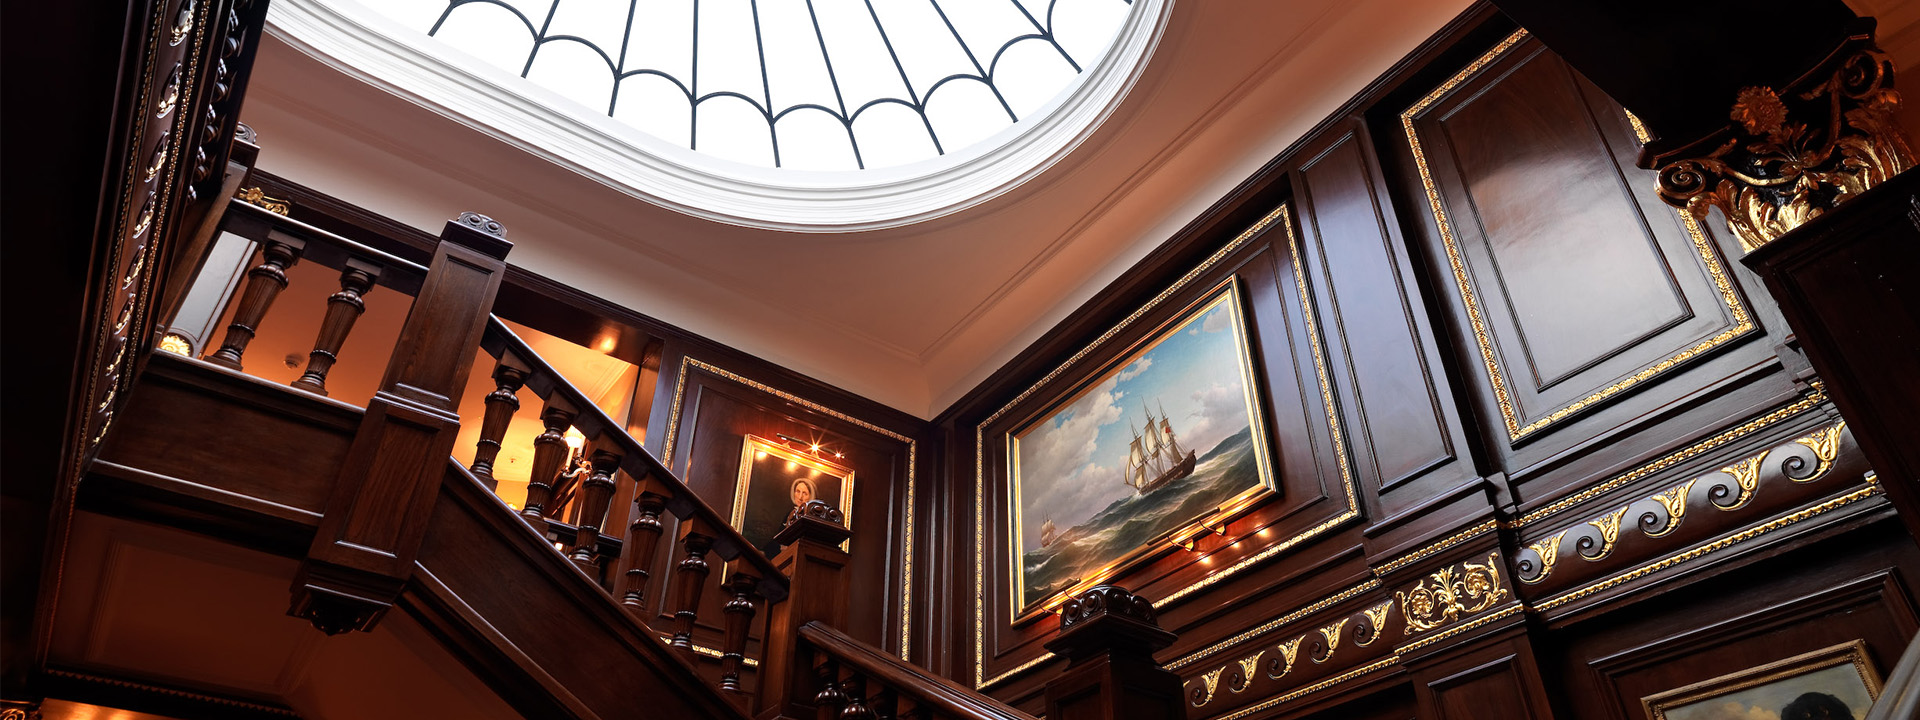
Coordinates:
(1447, 595)
(1674, 501)
(1377, 618)
(1248, 665)
(1609, 526)
(1332, 634)
(1288, 651)
(1212, 682)
(254, 196)
(1825, 443)
(1548, 549)
(1747, 474)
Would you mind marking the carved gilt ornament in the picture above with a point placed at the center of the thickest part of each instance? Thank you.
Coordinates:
(1787, 158)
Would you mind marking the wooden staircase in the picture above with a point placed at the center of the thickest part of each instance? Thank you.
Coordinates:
(557, 616)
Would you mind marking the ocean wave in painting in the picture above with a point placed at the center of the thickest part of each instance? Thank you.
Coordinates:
(1223, 472)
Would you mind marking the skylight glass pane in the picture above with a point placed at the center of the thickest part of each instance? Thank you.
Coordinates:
(729, 57)
(814, 140)
(662, 39)
(796, 68)
(656, 106)
(861, 60)
(576, 71)
(775, 83)
(986, 26)
(489, 32)
(1086, 27)
(731, 128)
(964, 112)
(892, 134)
(927, 50)
(599, 22)
(1030, 74)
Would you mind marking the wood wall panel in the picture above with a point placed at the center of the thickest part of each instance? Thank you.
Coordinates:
(712, 410)
(1580, 289)
(1401, 424)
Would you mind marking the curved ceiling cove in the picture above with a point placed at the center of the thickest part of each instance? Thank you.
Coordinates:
(811, 115)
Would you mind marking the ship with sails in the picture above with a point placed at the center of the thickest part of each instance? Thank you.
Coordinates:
(1155, 458)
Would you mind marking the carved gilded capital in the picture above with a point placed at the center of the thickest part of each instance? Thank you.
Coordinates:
(1789, 156)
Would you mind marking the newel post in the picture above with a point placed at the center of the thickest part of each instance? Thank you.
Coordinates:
(816, 570)
(1109, 636)
(377, 512)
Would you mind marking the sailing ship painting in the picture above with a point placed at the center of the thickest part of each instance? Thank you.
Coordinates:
(1164, 438)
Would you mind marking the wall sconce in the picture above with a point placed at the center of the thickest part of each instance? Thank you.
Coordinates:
(812, 447)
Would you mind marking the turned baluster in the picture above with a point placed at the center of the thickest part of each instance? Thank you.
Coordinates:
(854, 686)
(739, 614)
(264, 283)
(549, 452)
(595, 492)
(502, 403)
(637, 555)
(830, 700)
(689, 581)
(343, 308)
(885, 704)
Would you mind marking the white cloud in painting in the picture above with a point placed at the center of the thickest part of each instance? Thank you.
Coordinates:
(1133, 371)
(1215, 322)
(1057, 465)
(1220, 411)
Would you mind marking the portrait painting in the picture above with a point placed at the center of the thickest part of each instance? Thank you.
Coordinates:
(1836, 683)
(1162, 441)
(774, 479)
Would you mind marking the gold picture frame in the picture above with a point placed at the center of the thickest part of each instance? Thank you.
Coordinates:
(1226, 297)
(771, 464)
(1827, 671)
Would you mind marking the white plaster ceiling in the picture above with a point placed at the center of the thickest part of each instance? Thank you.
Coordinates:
(912, 316)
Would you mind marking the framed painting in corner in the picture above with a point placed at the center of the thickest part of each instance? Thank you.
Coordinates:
(1836, 683)
(1159, 444)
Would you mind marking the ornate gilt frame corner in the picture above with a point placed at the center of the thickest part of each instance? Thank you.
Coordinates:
(1854, 652)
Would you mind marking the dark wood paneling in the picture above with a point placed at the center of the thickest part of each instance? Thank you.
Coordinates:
(1586, 287)
(1401, 423)
(1496, 681)
(1817, 596)
(715, 415)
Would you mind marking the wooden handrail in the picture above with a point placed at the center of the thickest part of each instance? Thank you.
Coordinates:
(635, 460)
(253, 222)
(944, 698)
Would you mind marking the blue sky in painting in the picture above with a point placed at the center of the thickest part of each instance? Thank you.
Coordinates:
(1071, 464)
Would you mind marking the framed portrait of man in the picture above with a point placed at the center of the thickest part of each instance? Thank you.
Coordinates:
(775, 479)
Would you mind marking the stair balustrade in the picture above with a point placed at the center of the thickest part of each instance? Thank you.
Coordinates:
(808, 668)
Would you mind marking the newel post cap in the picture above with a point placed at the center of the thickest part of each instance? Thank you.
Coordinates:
(1108, 620)
(479, 233)
(816, 521)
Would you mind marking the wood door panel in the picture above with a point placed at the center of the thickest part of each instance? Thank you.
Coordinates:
(1578, 284)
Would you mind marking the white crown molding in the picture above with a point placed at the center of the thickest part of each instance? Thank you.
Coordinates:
(363, 44)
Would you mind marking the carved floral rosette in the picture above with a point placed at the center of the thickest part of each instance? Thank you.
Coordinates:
(1787, 158)
(1105, 600)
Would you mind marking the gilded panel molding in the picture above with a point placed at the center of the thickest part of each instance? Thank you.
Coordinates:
(913, 451)
(1428, 551)
(1742, 320)
(1367, 669)
(1728, 489)
(1281, 215)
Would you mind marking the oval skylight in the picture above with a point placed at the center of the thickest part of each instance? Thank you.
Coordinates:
(796, 114)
